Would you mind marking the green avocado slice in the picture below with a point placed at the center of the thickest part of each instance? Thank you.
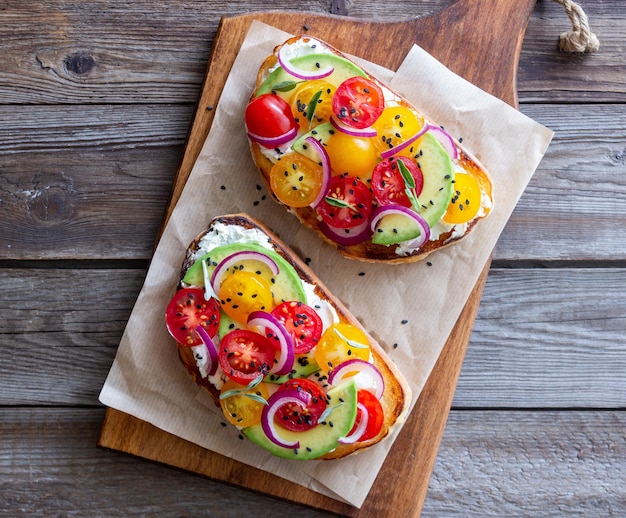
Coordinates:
(322, 438)
(281, 82)
(285, 286)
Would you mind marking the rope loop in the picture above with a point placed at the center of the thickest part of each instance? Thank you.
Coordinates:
(580, 38)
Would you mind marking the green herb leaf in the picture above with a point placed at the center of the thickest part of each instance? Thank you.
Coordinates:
(310, 110)
(406, 174)
(351, 343)
(244, 391)
(257, 398)
(285, 86)
(342, 204)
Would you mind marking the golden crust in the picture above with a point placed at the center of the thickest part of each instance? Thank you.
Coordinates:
(397, 396)
(368, 251)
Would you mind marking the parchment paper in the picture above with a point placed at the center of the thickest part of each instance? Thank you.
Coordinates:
(410, 309)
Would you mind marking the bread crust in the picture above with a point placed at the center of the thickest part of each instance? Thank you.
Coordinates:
(397, 395)
(366, 250)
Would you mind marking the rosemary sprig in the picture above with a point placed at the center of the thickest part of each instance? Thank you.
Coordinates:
(409, 185)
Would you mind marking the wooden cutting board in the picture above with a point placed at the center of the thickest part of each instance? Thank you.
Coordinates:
(479, 40)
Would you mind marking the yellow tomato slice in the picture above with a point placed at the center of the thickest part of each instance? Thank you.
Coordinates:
(320, 90)
(339, 343)
(296, 180)
(239, 408)
(396, 125)
(465, 202)
(244, 292)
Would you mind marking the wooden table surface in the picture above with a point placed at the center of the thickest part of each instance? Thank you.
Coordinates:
(96, 99)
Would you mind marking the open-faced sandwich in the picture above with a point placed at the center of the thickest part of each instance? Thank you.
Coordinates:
(285, 360)
(356, 162)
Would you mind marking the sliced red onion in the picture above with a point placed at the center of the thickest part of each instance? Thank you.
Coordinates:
(360, 430)
(277, 400)
(403, 145)
(445, 140)
(353, 132)
(285, 62)
(366, 375)
(262, 321)
(272, 142)
(326, 171)
(347, 236)
(244, 255)
(212, 362)
(383, 211)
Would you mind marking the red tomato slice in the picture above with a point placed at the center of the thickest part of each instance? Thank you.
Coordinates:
(298, 417)
(358, 102)
(269, 116)
(187, 310)
(243, 355)
(350, 203)
(388, 185)
(375, 412)
(302, 322)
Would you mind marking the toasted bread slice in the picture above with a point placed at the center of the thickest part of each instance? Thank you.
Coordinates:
(396, 397)
(441, 233)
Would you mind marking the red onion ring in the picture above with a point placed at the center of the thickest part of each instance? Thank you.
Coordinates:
(244, 255)
(211, 348)
(272, 142)
(360, 367)
(262, 320)
(360, 430)
(346, 236)
(353, 132)
(326, 171)
(445, 140)
(299, 73)
(277, 400)
(381, 212)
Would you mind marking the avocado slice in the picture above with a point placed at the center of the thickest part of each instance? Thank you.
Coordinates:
(322, 438)
(280, 79)
(321, 133)
(438, 171)
(395, 228)
(285, 286)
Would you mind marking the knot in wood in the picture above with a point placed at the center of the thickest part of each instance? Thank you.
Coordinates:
(79, 63)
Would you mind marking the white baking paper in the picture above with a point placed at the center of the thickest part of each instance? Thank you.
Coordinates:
(410, 308)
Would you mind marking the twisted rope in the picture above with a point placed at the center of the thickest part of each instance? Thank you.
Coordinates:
(580, 38)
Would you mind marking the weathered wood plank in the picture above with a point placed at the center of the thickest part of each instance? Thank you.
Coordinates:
(530, 464)
(543, 338)
(72, 51)
(489, 464)
(69, 176)
(106, 171)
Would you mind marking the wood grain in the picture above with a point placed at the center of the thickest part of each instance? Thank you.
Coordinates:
(471, 52)
(507, 463)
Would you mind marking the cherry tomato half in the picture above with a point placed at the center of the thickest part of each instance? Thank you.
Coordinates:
(296, 180)
(388, 184)
(375, 415)
(340, 343)
(299, 417)
(347, 204)
(244, 292)
(465, 202)
(358, 102)
(302, 322)
(240, 409)
(301, 99)
(187, 310)
(395, 125)
(269, 116)
(243, 355)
